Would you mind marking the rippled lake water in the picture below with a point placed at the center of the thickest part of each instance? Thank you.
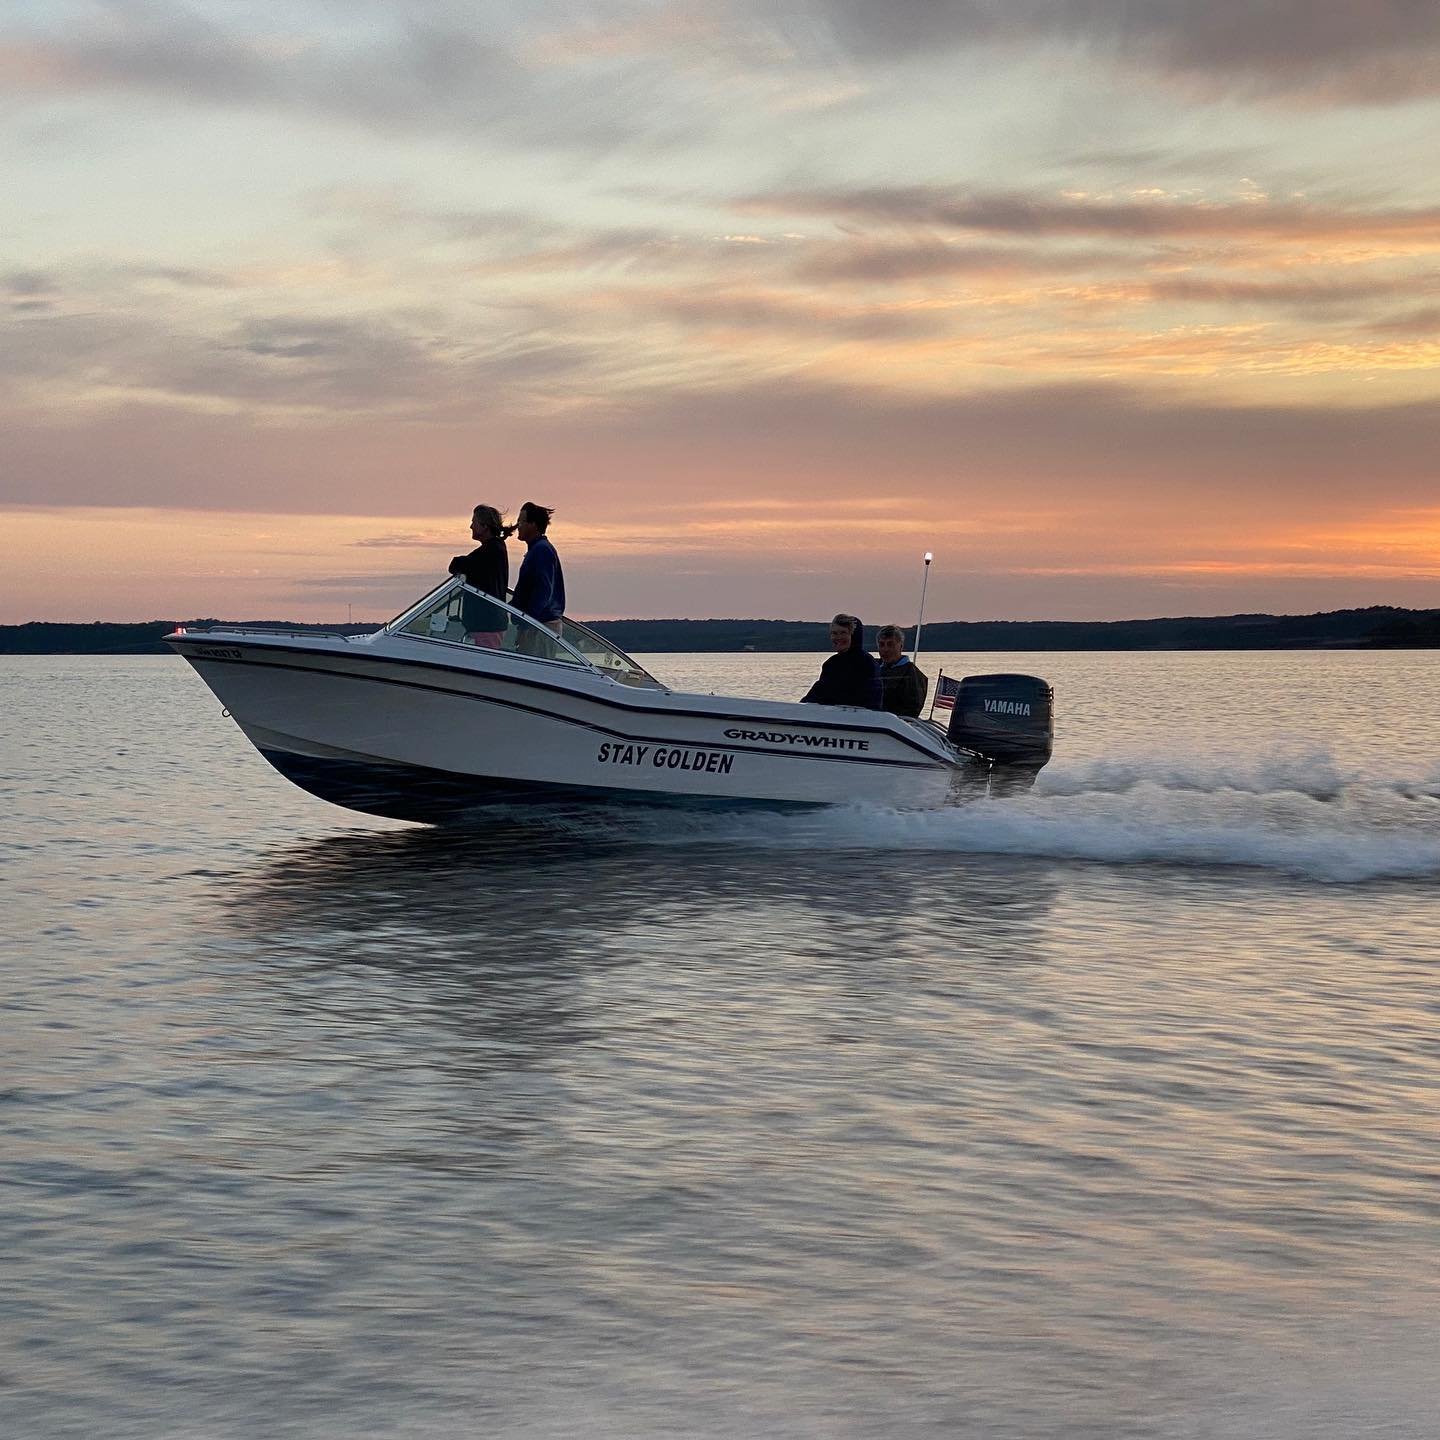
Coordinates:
(1112, 1110)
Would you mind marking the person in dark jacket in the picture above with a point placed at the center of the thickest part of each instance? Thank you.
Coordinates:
(540, 586)
(850, 676)
(902, 683)
(487, 569)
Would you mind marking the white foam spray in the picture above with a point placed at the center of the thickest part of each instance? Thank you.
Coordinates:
(1298, 813)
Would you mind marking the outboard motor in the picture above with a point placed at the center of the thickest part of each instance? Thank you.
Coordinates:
(1009, 719)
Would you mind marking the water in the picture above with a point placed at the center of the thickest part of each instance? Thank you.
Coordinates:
(1105, 1112)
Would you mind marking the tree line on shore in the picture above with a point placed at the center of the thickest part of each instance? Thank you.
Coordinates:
(1374, 627)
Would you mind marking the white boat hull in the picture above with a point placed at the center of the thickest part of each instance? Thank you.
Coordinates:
(419, 730)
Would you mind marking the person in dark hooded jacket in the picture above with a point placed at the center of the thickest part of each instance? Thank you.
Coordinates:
(850, 676)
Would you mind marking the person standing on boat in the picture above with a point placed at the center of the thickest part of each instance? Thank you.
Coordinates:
(487, 569)
(903, 684)
(850, 676)
(540, 586)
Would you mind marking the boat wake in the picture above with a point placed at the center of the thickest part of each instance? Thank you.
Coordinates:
(1297, 814)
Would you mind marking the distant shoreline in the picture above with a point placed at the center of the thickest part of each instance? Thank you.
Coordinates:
(1371, 628)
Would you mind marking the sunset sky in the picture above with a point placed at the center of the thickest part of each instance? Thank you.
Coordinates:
(1121, 307)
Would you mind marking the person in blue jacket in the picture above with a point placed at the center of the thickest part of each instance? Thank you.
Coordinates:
(850, 676)
(540, 586)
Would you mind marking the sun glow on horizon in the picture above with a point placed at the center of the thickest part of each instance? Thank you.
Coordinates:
(181, 564)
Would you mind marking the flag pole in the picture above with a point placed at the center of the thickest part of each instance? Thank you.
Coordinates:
(924, 585)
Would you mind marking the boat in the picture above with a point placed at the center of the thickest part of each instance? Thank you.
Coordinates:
(433, 718)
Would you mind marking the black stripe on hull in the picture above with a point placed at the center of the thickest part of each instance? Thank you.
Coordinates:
(441, 797)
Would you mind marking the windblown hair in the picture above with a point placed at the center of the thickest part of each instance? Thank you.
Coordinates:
(489, 515)
(887, 632)
(538, 515)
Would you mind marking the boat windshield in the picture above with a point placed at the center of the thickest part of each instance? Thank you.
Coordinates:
(463, 616)
(605, 657)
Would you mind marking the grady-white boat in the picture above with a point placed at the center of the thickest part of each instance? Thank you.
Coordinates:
(432, 717)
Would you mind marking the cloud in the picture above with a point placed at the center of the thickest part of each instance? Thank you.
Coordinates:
(1319, 293)
(284, 364)
(1036, 214)
(410, 583)
(790, 317)
(1116, 277)
(1144, 450)
(1337, 50)
(476, 334)
(1160, 159)
(412, 541)
(593, 78)
(28, 291)
(29, 282)
(1115, 438)
(884, 261)
(160, 50)
(508, 242)
(416, 71)
(1425, 321)
(185, 276)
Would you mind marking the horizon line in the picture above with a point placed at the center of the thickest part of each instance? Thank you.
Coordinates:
(767, 620)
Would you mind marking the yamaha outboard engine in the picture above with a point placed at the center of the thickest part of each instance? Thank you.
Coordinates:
(1009, 719)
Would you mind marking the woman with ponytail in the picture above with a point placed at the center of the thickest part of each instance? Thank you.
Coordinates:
(487, 569)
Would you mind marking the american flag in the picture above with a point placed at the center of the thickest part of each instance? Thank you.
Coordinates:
(946, 690)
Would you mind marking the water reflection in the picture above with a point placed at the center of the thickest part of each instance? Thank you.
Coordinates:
(411, 900)
(505, 946)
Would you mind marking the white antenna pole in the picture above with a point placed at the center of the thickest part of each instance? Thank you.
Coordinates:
(924, 586)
